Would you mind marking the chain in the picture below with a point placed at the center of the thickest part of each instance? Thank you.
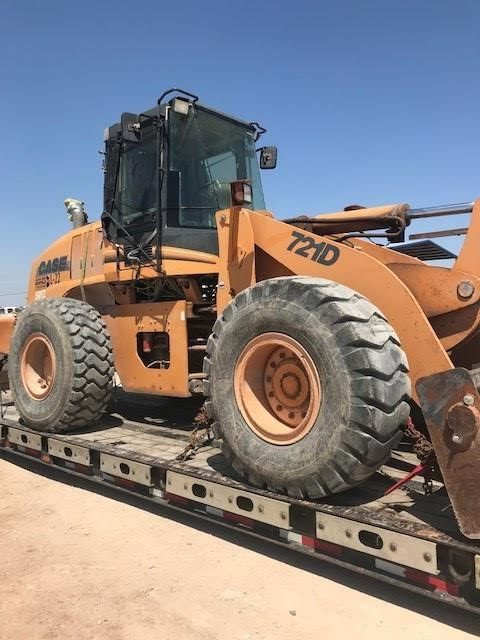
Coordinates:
(200, 436)
(424, 451)
(421, 445)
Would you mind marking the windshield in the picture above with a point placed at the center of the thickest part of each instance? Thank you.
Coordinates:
(209, 152)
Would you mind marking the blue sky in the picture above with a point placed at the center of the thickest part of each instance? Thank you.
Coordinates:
(369, 101)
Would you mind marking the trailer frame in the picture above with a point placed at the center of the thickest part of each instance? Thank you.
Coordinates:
(348, 530)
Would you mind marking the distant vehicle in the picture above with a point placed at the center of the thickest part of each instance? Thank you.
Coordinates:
(4, 310)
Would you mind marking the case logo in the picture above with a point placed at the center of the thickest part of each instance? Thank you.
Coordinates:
(53, 266)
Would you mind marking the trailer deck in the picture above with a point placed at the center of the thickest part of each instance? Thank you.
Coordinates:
(145, 446)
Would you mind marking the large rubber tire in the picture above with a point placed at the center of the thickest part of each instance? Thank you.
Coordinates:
(363, 374)
(81, 387)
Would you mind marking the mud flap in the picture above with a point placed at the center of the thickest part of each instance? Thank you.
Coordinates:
(451, 407)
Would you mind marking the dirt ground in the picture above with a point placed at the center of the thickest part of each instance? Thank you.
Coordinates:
(78, 564)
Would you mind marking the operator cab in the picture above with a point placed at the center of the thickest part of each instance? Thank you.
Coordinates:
(169, 170)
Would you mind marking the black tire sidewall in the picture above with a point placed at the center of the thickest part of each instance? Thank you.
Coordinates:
(317, 338)
(49, 411)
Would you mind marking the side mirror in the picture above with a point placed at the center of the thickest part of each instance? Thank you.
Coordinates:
(130, 127)
(268, 157)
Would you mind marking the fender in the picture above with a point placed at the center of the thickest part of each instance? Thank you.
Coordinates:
(349, 266)
(7, 325)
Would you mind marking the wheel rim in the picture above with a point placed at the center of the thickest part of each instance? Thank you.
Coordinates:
(277, 388)
(38, 366)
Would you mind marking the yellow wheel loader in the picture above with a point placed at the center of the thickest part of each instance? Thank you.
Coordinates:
(315, 345)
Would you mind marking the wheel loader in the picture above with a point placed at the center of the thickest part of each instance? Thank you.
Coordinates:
(315, 344)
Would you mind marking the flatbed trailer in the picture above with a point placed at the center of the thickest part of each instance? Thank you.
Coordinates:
(149, 447)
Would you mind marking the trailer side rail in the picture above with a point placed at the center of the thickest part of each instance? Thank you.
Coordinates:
(436, 565)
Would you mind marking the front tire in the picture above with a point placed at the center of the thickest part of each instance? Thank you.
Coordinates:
(337, 401)
(60, 365)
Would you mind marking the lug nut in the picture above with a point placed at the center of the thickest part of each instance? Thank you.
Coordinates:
(468, 399)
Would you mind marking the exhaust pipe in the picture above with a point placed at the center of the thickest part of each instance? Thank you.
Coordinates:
(76, 212)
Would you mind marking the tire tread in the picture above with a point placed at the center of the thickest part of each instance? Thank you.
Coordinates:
(380, 383)
(92, 361)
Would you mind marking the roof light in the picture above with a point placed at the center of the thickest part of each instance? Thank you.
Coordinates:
(180, 106)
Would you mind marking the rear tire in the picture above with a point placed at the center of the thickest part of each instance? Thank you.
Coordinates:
(363, 381)
(60, 365)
